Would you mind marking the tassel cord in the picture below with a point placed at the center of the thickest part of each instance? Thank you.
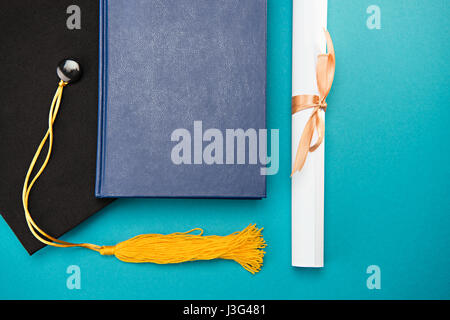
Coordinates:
(244, 247)
(34, 228)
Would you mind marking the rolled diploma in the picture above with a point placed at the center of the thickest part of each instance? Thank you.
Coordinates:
(309, 21)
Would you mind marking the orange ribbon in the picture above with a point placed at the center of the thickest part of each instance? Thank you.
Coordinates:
(326, 64)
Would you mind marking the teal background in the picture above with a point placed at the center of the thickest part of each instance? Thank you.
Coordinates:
(387, 183)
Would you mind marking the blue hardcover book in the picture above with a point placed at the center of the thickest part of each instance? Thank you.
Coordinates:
(182, 97)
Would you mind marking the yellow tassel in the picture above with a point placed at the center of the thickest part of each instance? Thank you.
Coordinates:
(244, 247)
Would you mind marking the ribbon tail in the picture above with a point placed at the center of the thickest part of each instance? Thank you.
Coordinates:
(320, 127)
(325, 69)
(304, 145)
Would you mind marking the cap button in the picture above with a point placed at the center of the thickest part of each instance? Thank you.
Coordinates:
(69, 70)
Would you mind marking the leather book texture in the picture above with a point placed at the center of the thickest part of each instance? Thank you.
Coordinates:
(192, 66)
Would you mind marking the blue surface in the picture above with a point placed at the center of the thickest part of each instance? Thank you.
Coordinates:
(387, 183)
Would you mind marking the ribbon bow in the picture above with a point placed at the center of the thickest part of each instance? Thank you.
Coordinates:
(325, 74)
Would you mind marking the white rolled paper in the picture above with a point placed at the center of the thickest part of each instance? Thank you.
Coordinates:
(309, 21)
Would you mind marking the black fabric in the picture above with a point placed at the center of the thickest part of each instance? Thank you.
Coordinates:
(34, 38)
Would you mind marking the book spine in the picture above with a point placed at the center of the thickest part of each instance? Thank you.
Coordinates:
(102, 80)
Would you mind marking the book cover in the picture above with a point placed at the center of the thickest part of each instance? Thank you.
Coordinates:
(182, 99)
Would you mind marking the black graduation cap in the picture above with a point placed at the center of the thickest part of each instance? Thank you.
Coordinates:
(34, 37)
